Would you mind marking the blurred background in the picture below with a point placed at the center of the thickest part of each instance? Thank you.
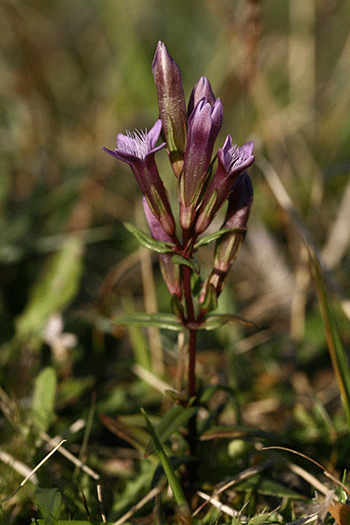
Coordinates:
(73, 75)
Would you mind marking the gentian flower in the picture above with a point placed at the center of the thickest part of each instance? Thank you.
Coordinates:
(204, 124)
(227, 246)
(200, 90)
(170, 271)
(232, 161)
(138, 150)
(172, 106)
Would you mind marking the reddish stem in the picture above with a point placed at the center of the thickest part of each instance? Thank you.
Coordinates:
(192, 364)
(193, 333)
(192, 424)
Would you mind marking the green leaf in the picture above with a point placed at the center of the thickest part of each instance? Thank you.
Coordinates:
(176, 462)
(160, 320)
(55, 288)
(137, 337)
(192, 263)
(212, 322)
(134, 490)
(170, 473)
(215, 235)
(49, 503)
(335, 346)
(44, 399)
(170, 423)
(147, 241)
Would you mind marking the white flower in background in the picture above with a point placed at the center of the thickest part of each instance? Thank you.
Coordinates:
(60, 342)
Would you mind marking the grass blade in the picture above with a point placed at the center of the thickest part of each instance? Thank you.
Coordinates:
(174, 418)
(335, 346)
(170, 473)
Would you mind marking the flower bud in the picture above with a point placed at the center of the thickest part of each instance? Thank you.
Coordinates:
(170, 271)
(227, 246)
(201, 90)
(172, 106)
(203, 127)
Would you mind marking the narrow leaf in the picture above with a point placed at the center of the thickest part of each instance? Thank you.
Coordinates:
(160, 320)
(212, 322)
(176, 462)
(335, 346)
(44, 399)
(137, 337)
(215, 235)
(135, 490)
(147, 241)
(55, 288)
(170, 423)
(192, 263)
(169, 472)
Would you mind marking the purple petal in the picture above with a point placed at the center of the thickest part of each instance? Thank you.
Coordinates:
(233, 158)
(239, 202)
(232, 161)
(138, 144)
(204, 126)
(200, 90)
(155, 226)
(138, 150)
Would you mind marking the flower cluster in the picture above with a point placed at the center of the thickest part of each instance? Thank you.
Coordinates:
(189, 137)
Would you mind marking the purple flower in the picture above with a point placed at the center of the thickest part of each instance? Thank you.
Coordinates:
(138, 150)
(170, 271)
(232, 161)
(172, 106)
(227, 246)
(204, 125)
(200, 90)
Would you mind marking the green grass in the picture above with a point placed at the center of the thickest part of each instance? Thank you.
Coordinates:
(73, 75)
